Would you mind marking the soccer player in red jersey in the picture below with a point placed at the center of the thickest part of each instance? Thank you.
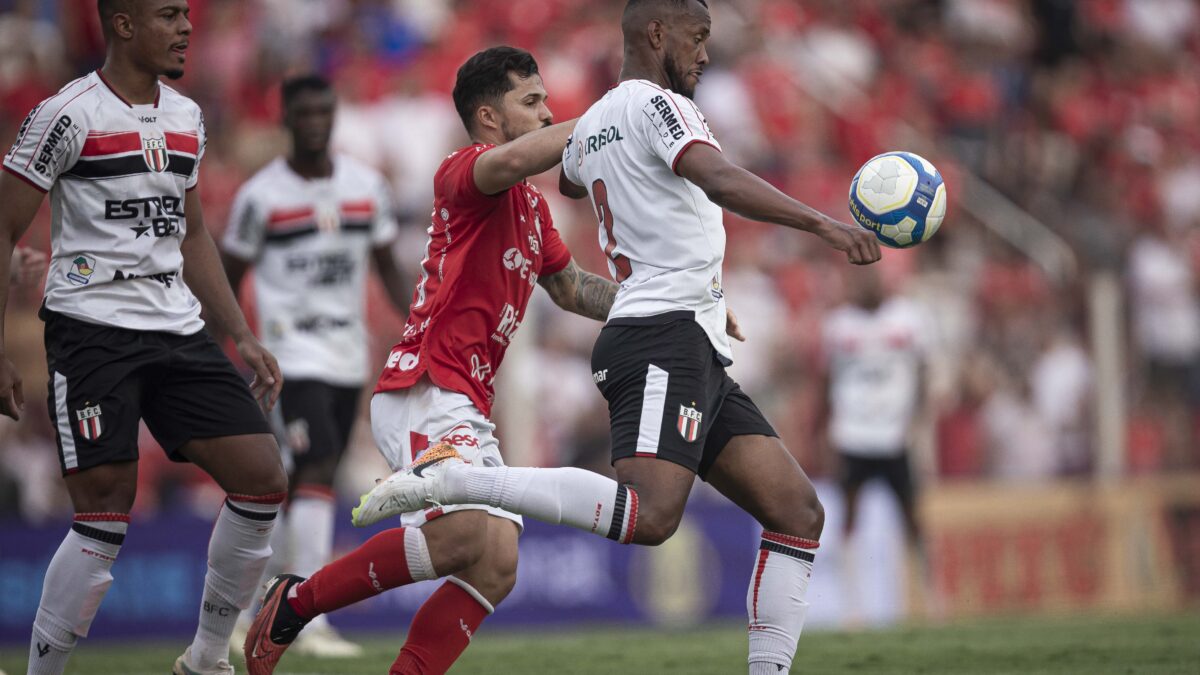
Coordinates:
(491, 241)
(132, 266)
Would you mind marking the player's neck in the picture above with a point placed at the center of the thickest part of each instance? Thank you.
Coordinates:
(636, 67)
(318, 165)
(136, 86)
(488, 137)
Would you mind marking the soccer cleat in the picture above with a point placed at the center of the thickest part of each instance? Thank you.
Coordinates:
(323, 641)
(183, 667)
(275, 627)
(412, 488)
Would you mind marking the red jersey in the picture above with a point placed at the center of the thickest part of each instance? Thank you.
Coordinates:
(484, 256)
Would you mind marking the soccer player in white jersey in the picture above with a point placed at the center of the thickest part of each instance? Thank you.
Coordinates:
(875, 349)
(131, 267)
(645, 157)
(310, 224)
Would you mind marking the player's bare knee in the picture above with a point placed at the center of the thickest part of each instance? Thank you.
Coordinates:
(456, 541)
(655, 528)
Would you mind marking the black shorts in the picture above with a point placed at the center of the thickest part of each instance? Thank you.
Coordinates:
(894, 470)
(104, 379)
(317, 418)
(668, 394)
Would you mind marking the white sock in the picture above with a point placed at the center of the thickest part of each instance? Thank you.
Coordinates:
(76, 581)
(775, 601)
(310, 530)
(237, 555)
(566, 496)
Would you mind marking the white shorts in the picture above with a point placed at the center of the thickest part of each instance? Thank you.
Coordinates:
(407, 421)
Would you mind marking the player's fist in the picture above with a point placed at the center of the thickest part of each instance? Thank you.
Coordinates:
(860, 245)
(12, 397)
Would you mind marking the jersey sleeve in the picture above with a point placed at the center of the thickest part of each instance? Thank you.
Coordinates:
(455, 181)
(244, 236)
(48, 143)
(202, 137)
(555, 255)
(570, 161)
(384, 228)
(669, 124)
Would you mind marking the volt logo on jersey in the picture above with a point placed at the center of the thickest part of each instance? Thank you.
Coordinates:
(154, 151)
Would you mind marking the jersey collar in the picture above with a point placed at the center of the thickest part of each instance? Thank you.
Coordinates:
(157, 93)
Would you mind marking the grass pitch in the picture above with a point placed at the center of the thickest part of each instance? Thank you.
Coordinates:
(1092, 646)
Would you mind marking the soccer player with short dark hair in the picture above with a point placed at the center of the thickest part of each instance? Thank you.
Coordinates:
(132, 267)
(658, 180)
(491, 242)
(310, 224)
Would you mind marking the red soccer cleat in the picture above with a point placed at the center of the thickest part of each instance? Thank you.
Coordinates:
(274, 628)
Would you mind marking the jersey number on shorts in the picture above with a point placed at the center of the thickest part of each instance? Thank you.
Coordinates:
(604, 214)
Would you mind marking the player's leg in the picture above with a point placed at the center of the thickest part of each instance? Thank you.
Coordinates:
(318, 418)
(93, 403)
(853, 475)
(444, 625)
(201, 410)
(755, 471)
(899, 478)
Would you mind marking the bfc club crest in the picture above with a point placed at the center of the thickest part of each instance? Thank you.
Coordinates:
(89, 421)
(154, 150)
(689, 423)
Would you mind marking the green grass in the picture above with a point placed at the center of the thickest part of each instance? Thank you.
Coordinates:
(1092, 646)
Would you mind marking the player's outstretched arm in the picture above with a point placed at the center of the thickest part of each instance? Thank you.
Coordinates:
(21, 202)
(737, 190)
(580, 291)
(205, 277)
(536, 152)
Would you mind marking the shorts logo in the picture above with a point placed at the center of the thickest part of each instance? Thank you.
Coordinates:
(89, 422)
(689, 423)
(82, 268)
(461, 436)
(154, 151)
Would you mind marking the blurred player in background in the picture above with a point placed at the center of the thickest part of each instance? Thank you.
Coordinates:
(309, 224)
(119, 153)
(27, 266)
(658, 180)
(875, 350)
(491, 241)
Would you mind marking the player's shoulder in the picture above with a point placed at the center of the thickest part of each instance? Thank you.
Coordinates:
(356, 171)
(80, 95)
(461, 156)
(269, 174)
(172, 98)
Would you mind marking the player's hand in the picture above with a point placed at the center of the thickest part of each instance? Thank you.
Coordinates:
(27, 266)
(12, 397)
(732, 329)
(861, 247)
(267, 378)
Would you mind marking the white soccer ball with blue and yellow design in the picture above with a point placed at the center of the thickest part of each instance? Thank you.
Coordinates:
(900, 197)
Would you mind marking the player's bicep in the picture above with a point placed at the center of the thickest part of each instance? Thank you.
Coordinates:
(194, 216)
(246, 230)
(568, 188)
(21, 201)
(706, 168)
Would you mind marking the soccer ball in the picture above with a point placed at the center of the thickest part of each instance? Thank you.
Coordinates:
(900, 197)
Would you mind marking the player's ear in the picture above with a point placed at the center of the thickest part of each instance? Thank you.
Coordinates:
(487, 117)
(122, 25)
(655, 33)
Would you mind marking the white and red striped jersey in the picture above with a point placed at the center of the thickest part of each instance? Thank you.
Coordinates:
(309, 240)
(664, 239)
(482, 262)
(117, 174)
(875, 361)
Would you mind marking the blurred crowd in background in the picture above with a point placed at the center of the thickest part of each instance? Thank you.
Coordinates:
(1084, 114)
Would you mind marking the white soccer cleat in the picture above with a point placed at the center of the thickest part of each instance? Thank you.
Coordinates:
(413, 488)
(183, 666)
(323, 641)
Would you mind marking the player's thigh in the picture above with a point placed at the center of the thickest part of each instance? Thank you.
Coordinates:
(94, 393)
(898, 475)
(201, 410)
(407, 422)
(759, 475)
(317, 426)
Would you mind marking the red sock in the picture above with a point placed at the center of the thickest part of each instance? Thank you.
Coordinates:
(440, 631)
(379, 564)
